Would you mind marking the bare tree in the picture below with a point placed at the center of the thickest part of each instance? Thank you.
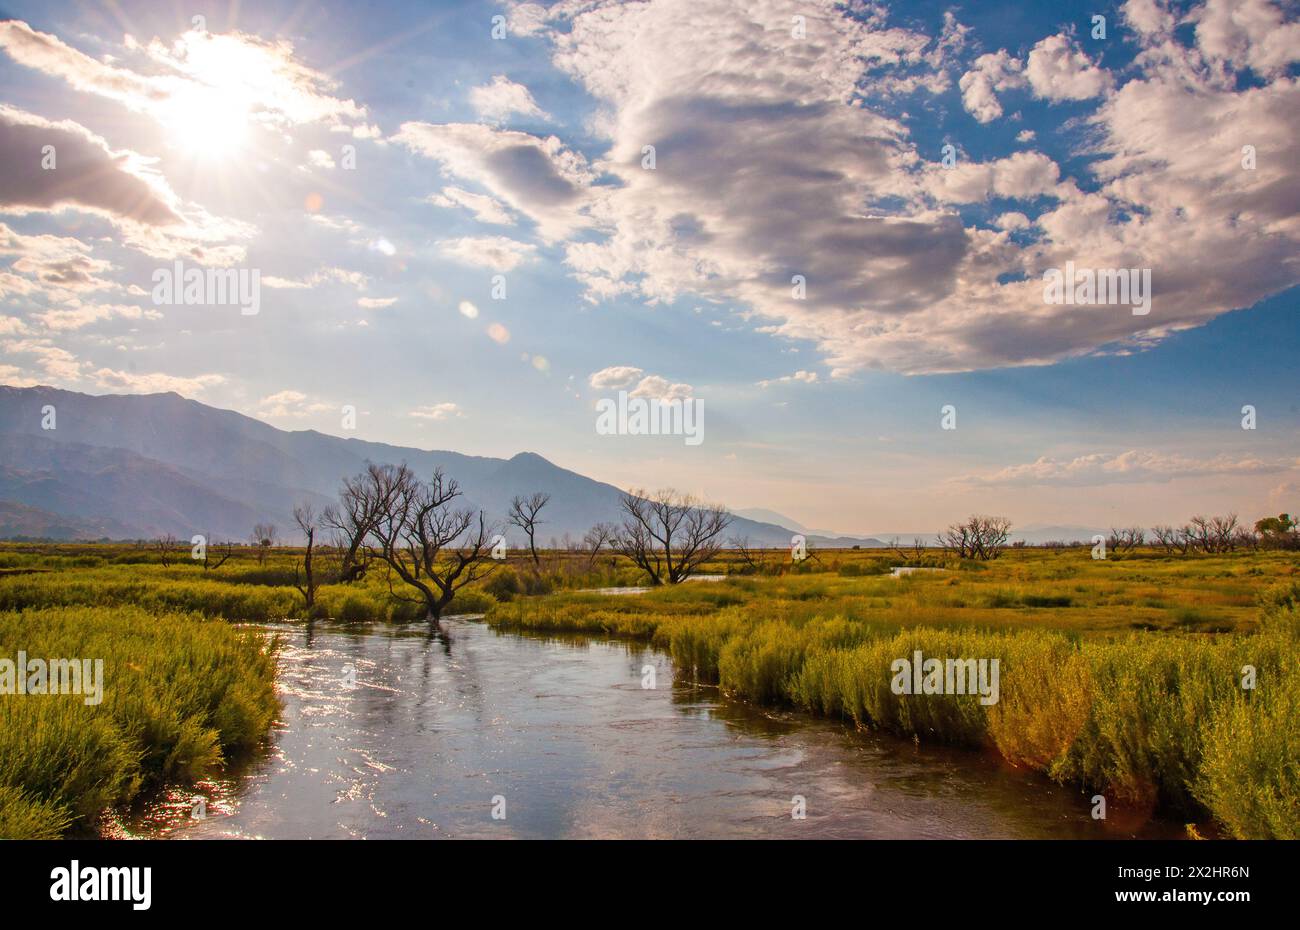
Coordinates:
(911, 555)
(263, 537)
(1127, 539)
(980, 537)
(1166, 537)
(305, 516)
(165, 546)
(523, 514)
(431, 547)
(1213, 534)
(596, 538)
(227, 550)
(751, 556)
(361, 499)
(669, 535)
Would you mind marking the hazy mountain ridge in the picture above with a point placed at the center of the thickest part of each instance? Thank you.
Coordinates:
(144, 465)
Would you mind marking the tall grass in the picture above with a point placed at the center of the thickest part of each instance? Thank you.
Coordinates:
(180, 695)
(1156, 720)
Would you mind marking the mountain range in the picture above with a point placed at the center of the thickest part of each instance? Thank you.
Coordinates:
(137, 466)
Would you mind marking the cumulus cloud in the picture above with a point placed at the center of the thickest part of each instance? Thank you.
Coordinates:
(1058, 70)
(503, 98)
(540, 178)
(1243, 34)
(772, 162)
(625, 377)
(290, 403)
(118, 185)
(79, 315)
(497, 253)
(615, 377)
(87, 173)
(656, 387)
(981, 84)
(155, 382)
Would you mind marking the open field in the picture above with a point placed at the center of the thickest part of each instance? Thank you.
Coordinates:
(1122, 676)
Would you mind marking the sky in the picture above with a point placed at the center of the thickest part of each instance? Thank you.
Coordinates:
(828, 224)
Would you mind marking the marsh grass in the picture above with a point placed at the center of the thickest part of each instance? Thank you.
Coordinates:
(1155, 720)
(180, 695)
(1122, 676)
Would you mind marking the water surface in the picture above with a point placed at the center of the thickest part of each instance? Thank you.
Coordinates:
(387, 732)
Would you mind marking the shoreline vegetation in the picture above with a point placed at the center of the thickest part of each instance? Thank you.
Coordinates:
(1122, 677)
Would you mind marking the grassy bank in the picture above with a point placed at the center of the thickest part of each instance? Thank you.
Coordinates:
(1150, 720)
(1121, 676)
(180, 694)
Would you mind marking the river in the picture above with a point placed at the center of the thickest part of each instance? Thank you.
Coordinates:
(387, 732)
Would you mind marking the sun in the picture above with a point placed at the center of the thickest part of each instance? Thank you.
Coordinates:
(207, 122)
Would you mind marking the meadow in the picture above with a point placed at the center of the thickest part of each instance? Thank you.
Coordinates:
(1164, 683)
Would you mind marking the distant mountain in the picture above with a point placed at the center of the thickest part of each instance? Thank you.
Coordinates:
(1037, 533)
(18, 521)
(143, 465)
(824, 538)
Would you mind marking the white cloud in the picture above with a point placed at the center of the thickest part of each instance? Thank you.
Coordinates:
(496, 253)
(1132, 466)
(503, 98)
(326, 275)
(653, 386)
(540, 178)
(805, 377)
(441, 411)
(990, 74)
(766, 172)
(614, 377)
(155, 382)
(290, 403)
(202, 71)
(1058, 70)
(485, 209)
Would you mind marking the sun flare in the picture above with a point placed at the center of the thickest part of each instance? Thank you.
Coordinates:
(207, 122)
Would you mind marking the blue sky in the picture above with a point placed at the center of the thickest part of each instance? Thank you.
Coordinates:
(777, 154)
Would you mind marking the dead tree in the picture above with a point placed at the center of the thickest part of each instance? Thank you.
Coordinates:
(431, 547)
(1165, 536)
(911, 555)
(263, 537)
(523, 514)
(980, 537)
(669, 535)
(361, 499)
(598, 537)
(751, 557)
(1126, 540)
(305, 516)
(228, 549)
(166, 548)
